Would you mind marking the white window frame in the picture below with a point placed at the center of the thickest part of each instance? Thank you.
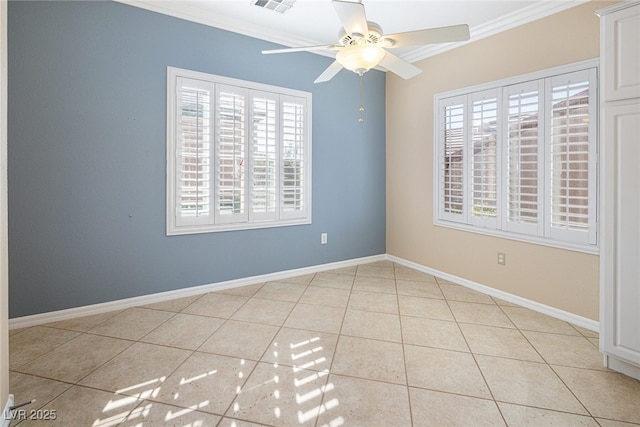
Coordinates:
(540, 233)
(214, 220)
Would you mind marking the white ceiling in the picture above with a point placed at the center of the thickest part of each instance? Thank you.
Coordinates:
(314, 22)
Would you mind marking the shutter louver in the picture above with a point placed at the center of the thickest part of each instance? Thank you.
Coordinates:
(264, 158)
(525, 153)
(452, 168)
(484, 161)
(231, 156)
(194, 152)
(570, 156)
(293, 155)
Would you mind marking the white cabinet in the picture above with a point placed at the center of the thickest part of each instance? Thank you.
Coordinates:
(620, 51)
(620, 187)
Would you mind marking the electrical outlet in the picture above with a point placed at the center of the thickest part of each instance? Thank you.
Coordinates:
(323, 238)
(502, 258)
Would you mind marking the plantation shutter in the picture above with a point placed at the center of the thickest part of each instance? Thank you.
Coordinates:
(193, 151)
(571, 103)
(294, 149)
(451, 155)
(231, 127)
(264, 156)
(238, 154)
(524, 157)
(518, 158)
(483, 155)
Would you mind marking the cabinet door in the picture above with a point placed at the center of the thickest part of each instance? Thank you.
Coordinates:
(620, 251)
(620, 50)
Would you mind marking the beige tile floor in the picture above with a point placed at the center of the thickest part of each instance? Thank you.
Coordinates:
(372, 345)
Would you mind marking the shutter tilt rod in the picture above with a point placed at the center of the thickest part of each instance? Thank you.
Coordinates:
(13, 408)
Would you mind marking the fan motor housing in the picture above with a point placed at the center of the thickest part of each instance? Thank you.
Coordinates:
(373, 37)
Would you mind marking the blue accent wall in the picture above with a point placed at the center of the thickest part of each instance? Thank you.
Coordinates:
(87, 153)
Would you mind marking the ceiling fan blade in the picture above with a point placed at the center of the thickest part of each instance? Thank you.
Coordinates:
(352, 16)
(300, 49)
(328, 74)
(399, 66)
(453, 33)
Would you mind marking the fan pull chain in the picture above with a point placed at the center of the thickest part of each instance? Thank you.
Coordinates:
(360, 119)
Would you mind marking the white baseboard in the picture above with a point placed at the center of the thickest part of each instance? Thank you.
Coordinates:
(54, 316)
(7, 416)
(88, 310)
(584, 322)
(619, 365)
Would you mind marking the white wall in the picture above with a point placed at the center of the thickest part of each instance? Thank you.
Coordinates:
(4, 288)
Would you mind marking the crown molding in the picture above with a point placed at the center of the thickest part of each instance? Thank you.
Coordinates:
(616, 7)
(523, 16)
(190, 12)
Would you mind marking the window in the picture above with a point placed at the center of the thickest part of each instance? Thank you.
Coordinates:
(518, 158)
(238, 154)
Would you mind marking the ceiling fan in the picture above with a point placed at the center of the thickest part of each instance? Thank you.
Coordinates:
(362, 45)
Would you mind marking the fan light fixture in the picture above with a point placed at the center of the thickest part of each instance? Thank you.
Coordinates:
(362, 45)
(360, 58)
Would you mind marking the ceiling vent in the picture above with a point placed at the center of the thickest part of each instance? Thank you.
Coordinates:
(280, 6)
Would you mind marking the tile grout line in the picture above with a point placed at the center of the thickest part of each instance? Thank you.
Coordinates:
(339, 336)
(194, 351)
(268, 347)
(333, 356)
(547, 363)
(475, 360)
(140, 401)
(77, 383)
(404, 353)
(571, 391)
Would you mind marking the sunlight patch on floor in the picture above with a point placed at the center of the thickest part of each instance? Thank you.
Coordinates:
(184, 381)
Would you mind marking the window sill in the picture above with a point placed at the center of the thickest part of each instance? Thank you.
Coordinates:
(200, 229)
(541, 241)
